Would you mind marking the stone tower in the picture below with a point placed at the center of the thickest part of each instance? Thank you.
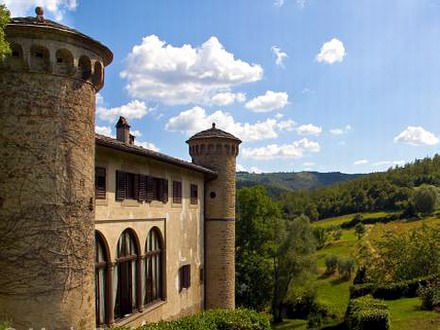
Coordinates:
(217, 150)
(47, 149)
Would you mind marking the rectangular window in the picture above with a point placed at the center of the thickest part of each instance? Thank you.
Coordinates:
(100, 183)
(184, 277)
(177, 192)
(194, 194)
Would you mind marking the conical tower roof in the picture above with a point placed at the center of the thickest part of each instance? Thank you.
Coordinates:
(215, 133)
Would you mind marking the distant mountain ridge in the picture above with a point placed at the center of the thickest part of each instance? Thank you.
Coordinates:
(284, 181)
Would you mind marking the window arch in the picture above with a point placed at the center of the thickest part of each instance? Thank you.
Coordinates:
(101, 289)
(64, 61)
(85, 67)
(16, 59)
(126, 274)
(40, 58)
(153, 289)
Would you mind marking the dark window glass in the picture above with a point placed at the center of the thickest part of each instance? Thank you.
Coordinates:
(194, 195)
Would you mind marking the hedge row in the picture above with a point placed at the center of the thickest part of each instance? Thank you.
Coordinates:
(367, 313)
(238, 319)
(369, 221)
(392, 291)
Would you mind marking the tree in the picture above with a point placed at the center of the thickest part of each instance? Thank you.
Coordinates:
(359, 229)
(425, 199)
(4, 19)
(271, 252)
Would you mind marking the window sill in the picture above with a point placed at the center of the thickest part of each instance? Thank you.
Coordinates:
(101, 202)
(136, 315)
(130, 203)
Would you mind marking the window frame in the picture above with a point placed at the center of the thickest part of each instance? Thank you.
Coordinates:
(177, 192)
(194, 194)
(184, 277)
(100, 182)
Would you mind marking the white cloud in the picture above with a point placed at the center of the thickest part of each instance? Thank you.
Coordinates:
(360, 162)
(301, 3)
(416, 136)
(136, 133)
(147, 145)
(286, 125)
(279, 55)
(240, 168)
(296, 149)
(132, 110)
(309, 129)
(228, 98)
(341, 131)
(57, 8)
(278, 3)
(255, 170)
(388, 163)
(104, 130)
(196, 119)
(157, 71)
(331, 52)
(268, 102)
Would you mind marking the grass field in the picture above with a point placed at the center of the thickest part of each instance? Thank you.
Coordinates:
(333, 292)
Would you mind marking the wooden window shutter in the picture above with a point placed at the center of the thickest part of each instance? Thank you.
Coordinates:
(164, 190)
(142, 188)
(194, 194)
(177, 192)
(136, 186)
(150, 188)
(100, 183)
(121, 185)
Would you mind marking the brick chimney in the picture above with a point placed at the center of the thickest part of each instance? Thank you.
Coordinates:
(123, 131)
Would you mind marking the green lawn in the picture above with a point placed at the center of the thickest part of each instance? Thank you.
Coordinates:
(291, 325)
(406, 315)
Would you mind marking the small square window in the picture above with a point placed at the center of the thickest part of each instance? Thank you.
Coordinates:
(184, 277)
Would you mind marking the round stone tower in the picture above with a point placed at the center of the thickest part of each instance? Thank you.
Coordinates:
(47, 148)
(217, 150)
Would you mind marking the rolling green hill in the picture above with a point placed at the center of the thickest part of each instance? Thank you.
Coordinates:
(285, 181)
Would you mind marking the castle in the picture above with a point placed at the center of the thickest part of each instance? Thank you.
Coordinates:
(96, 231)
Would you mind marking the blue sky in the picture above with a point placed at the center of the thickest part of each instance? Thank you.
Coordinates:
(322, 85)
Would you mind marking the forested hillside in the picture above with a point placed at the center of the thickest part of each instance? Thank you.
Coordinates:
(277, 183)
(314, 195)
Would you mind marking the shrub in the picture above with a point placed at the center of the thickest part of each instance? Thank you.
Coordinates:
(331, 263)
(390, 291)
(361, 276)
(337, 234)
(430, 295)
(238, 319)
(367, 313)
(360, 230)
(345, 267)
(321, 236)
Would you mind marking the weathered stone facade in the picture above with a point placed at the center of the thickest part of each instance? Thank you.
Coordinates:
(218, 150)
(47, 150)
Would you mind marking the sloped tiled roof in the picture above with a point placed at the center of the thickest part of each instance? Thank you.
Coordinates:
(213, 132)
(108, 142)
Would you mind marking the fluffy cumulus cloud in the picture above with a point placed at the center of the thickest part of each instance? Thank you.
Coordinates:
(296, 149)
(331, 52)
(308, 129)
(389, 163)
(268, 102)
(26, 7)
(132, 110)
(104, 130)
(416, 136)
(227, 98)
(157, 71)
(279, 55)
(196, 119)
(341, 131)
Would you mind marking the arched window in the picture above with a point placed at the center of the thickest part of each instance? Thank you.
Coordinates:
(85, 67)
(39, 58)
(101, 259)
(153, 290)
(126, 297)
(64, 62)
(98, 75)
(16, 59)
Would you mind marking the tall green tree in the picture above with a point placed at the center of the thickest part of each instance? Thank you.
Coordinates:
(425, 199)
(4, 19)
(271, 252)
